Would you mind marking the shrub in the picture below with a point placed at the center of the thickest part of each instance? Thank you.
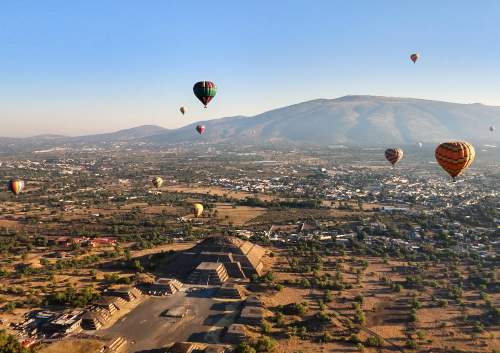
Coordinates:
(413, 317)
(323, 316)
(266, 328)
(375, 341)
(243, 347)
(297, 309)
(327, 296)
(279, 318)
(360, 299)
(279, 287)
(354, 339)
(442, 303)
(411, 344)
(327, 337)
(266, 344)
(420, 334)
(416, 304)
(355, 306)
(361, 348)
(384, 279)
(359, 317)
(478, 327)
(272, 254)
(397, 288)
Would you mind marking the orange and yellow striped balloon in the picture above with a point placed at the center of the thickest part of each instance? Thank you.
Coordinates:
(455, 157)
(393, 155)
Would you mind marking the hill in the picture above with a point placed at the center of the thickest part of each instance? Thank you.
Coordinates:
(345, 120)
(355, 119)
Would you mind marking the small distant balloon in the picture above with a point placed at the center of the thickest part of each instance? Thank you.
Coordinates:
(492, 128)
(393, 155)
(15, 186)
(455, 157)
(414, 58)
(419, 144)
(254, 132)
(157, 182)
(183, 110)
(196, 209)
(200, 129)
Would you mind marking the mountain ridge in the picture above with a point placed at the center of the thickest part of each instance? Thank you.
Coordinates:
(352, 119)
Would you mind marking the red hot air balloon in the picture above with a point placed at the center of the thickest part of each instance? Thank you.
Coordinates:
(393, 155)
(200, 129)
(414, 58)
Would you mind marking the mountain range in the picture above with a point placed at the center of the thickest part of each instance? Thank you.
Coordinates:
(346, 120)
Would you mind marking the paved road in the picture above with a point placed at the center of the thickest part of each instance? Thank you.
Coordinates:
(146, 328)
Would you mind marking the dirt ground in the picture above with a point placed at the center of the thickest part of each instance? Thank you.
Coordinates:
(73, 346)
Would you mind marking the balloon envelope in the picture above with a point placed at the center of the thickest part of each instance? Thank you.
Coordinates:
(183, 110)
(205, 91)
(414, 58)
(200, 129)
(455, 157)
(492, 128)
(15, 186)
(419, 144)
(393, 155)
(157, 182)
(196, 209)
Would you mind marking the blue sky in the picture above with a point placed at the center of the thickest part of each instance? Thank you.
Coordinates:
(84, 67)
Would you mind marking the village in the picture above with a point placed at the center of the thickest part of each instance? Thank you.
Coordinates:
(91, 248)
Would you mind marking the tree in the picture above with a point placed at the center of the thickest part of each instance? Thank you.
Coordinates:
(243, 347)
(266, 344)
(411, 344)
(266, 328)
(375, 341)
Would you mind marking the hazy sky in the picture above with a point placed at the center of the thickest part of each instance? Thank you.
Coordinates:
(84, 67)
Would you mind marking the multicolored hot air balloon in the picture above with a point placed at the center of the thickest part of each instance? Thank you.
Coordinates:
(492, 128)
(455, 157)
(157, 182)
(414, 58)
(183, 110)
(15, 186)
(196, 209)
(200, 129)
(393, 155)
(205, 91)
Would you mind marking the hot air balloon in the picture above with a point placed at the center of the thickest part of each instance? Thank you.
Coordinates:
(15, 186)
(414, 58)
(419, 144)
(254, 132)
(393, 155)
(455, 157)
(492, 128)
(196, 209)
(183, 110)
(200, 129)
(157, 182)
(205, 91)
